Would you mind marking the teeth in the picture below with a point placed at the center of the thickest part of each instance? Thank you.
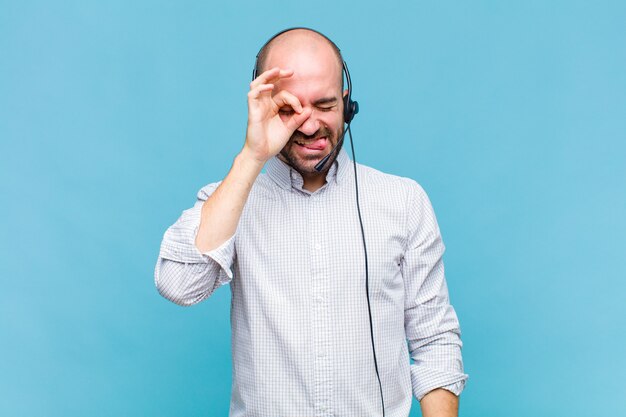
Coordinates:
(304, 144)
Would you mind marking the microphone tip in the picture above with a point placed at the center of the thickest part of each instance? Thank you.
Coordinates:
(320, 164)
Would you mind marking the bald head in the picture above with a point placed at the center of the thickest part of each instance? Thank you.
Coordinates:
(299, 42)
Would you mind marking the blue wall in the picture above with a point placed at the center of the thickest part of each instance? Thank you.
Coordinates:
(512, 115)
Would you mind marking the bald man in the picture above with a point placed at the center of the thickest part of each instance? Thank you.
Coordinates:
(288, 242)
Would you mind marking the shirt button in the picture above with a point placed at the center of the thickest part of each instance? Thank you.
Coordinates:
(319, 299)
(318, 246)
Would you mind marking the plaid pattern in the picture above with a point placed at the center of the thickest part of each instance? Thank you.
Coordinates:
(300, 327)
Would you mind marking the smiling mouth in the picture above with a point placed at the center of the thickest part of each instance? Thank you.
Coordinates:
(314, 145)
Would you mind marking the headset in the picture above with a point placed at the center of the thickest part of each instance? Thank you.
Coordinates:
(350, 109)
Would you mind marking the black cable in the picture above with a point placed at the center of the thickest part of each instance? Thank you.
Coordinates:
(367, 289)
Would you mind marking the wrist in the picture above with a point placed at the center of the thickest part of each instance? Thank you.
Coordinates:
(249, 161)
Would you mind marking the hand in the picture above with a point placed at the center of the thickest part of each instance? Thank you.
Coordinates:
(268, 130)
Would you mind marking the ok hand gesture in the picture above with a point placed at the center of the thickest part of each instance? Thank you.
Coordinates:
(268, 130)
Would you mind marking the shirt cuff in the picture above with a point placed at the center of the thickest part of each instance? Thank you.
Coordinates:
(455, 388)
(223, 255)
(179, 240)
(424, 380)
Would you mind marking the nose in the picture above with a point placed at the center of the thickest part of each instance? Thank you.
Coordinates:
(310, 126)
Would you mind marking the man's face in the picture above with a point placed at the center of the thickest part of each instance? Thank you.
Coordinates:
(316, 83)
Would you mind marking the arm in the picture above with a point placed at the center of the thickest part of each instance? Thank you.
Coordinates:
(431, 324)
(183, 274)
(198, 250)
(440, 403)
(266, 135)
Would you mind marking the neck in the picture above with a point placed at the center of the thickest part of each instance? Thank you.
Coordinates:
(313, 182)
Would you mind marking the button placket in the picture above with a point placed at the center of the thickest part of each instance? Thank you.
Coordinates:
(320, 313)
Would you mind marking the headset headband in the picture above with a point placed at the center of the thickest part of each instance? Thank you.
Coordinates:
(350, 107)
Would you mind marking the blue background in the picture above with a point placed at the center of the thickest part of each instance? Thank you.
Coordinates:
(512, 115)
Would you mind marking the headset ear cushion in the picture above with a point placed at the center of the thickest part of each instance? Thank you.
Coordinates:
(350, 109)
(355, 108)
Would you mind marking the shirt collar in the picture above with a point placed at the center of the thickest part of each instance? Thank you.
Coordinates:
(286, 177)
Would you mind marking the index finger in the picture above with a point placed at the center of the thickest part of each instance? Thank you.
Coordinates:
(270, 76)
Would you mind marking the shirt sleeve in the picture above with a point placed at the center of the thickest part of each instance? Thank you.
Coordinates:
(431, 325)
(183, 274)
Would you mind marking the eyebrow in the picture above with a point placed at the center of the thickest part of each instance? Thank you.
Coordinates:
(325, 100)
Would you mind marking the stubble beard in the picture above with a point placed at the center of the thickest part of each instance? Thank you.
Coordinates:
(306, 165)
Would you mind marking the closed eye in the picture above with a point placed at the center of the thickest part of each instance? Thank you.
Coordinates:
(326, 104)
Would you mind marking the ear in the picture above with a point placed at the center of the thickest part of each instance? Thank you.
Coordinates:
(345, 93)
